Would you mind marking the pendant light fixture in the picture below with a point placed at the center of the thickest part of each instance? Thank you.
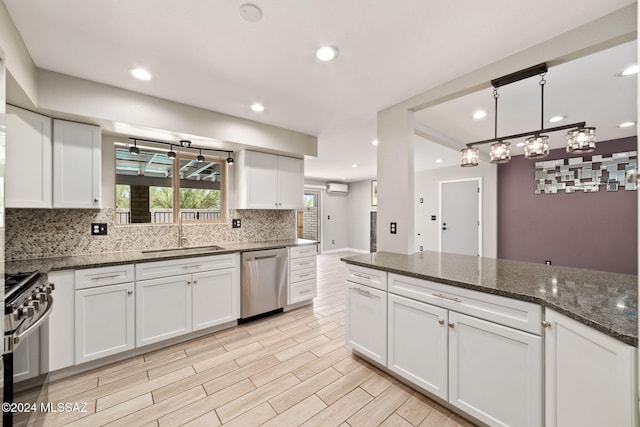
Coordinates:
(229, 159)
(134, 151)
(580, 138)
(200, 157)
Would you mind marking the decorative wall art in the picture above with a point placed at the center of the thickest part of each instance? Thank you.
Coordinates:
(579, 174)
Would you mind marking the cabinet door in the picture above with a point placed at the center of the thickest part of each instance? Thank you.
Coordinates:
(104, 321)
(495, 372)
(163, 309)
(418, 344)
(290, 183)
(26, 358)
(29, 160)
(61, 321)
(367, 321)
(590, 378)
(216, 297)
(259, 181)
(76, 165)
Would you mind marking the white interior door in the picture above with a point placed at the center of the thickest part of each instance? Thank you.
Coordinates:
(460, 207)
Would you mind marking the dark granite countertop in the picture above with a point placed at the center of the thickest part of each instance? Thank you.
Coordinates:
(607, 302)
(128, 257)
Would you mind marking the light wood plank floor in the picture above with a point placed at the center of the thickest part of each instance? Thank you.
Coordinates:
(286, 370)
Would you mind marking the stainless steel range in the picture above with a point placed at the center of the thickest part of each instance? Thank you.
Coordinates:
(28, 304)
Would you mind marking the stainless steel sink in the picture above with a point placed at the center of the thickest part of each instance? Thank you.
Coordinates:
(184, 249)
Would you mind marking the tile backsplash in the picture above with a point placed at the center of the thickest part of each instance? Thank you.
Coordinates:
(44, 233)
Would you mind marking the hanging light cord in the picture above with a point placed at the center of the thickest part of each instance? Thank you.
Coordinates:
(495, 115)
(542, 83)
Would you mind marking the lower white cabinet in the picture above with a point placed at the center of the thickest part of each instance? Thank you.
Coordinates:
(589, 377)
(302, 274)
(495, 372)
(104, 321)
(163, 308)
(26, 358)
(367, 321)
(418, 342)
(62, 321)
(170, 306)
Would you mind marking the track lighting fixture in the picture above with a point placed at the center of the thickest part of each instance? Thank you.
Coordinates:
(580, 138)
(184, 143)
(134, 151)
(171, 154)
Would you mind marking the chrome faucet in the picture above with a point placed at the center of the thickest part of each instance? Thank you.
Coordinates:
(181, 238)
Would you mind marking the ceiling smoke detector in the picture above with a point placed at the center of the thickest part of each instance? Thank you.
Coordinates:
(250, 12)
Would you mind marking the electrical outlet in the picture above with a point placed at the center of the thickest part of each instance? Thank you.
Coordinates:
(236, 223)
(393, 228)
(98, 228)
(421, 199)
(421, 248)
(328, 216)
(547, 262)
(433, 217)
(333, 242)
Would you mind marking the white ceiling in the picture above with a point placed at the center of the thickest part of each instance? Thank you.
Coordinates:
(202, 53)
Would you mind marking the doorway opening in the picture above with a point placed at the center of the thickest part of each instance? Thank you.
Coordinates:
(309, 217)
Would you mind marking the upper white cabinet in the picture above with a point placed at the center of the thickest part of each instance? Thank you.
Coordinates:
(29, 164)
(268, 181)
(76, 165)
(589, 376)
(40, 173)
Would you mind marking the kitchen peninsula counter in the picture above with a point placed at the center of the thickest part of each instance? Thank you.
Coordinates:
(129, 257)
(602, 300)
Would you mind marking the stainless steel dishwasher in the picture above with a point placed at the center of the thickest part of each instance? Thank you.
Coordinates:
(263, 281)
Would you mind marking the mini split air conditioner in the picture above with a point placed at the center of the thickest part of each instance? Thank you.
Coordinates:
(337, 188)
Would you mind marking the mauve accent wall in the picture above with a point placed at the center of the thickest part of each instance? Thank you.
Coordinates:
(596, 231)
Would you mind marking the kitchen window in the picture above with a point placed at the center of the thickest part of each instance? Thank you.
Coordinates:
(152, 188)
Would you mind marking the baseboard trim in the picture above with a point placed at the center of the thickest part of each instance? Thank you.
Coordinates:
(332, 251)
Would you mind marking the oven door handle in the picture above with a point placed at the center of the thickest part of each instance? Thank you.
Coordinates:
(37, 323)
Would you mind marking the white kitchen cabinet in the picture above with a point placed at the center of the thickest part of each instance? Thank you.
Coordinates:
(26, 358)
(215, 297)
(163, 308)
(589, 376)
(76, 165)
(104, 321)
(302, 274)
(495, 372)
(29, 160)
(62, 320)
(366, 321)
(268, 181)
(185, 295)
(418, 344)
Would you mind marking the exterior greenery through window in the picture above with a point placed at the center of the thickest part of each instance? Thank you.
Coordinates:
(152, 188)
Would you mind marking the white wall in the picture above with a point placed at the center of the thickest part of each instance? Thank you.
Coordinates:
(359, 215)
(427, 187)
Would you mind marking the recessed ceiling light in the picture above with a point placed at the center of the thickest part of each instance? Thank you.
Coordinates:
(326, 53)
(626, 124)
(250, 12)
(344, 178)
(355, 165)
(555, 119)
(520, 144)
(374, 142)
(438, 160)
(480, 114)
(629, 71)
(257, 107)
(140, 73)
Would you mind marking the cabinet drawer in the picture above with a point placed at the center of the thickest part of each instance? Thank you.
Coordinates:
(304, 274)
(367, 276)
(517, 314)
(174, 267)
(300, 263)
(302, 251)
(302, 291)
(102, 276)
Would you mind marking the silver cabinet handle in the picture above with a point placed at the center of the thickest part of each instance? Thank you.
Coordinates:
(362, 276)
(188, 282)
(306, 291)
(195, 281)
(440, 321)
(447, 298)
(305, 274)
(451, 325)
(192, 266)
(362, 291)
(129, 292)
(111, 276)
(96, 200)
(546, 324)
